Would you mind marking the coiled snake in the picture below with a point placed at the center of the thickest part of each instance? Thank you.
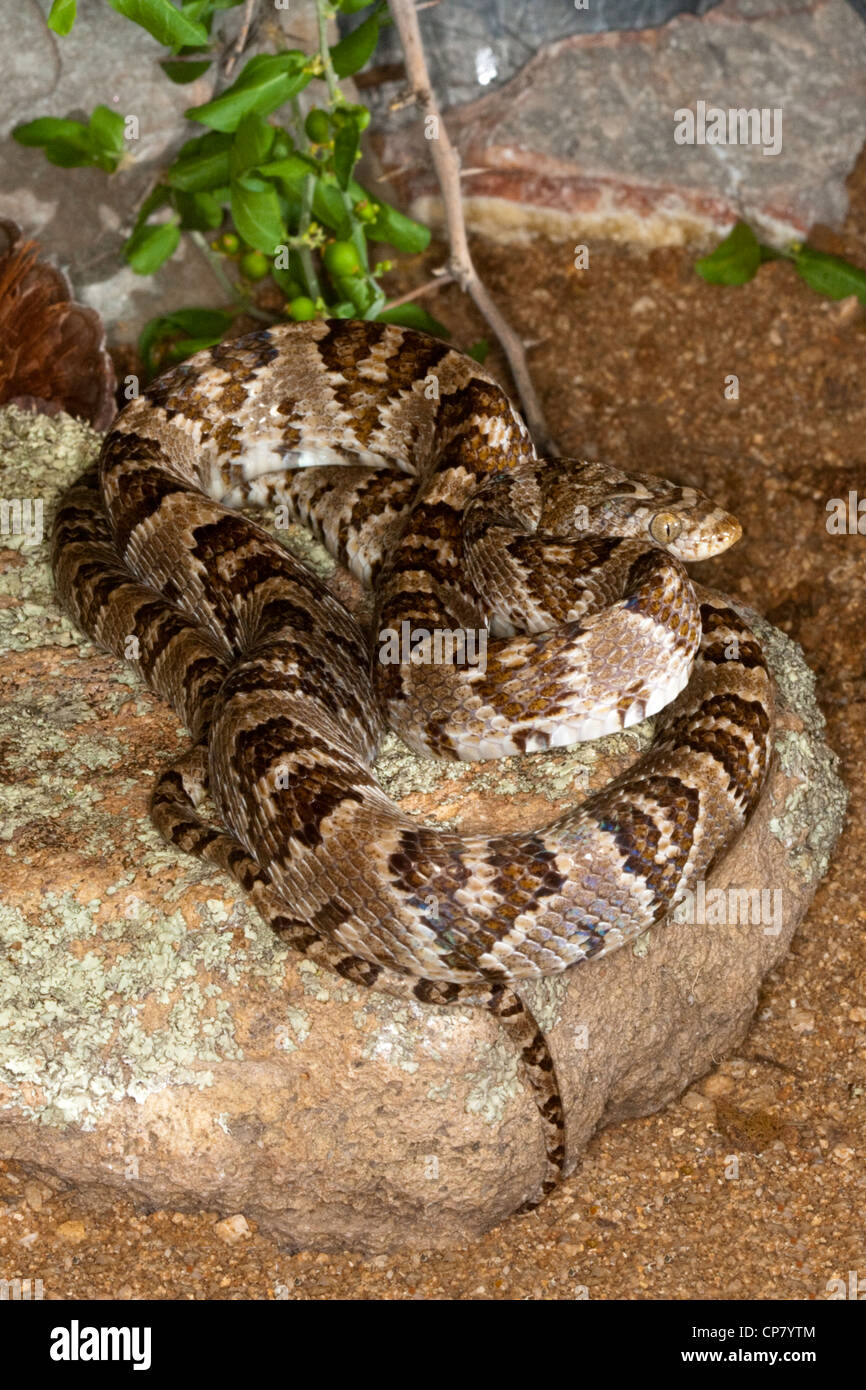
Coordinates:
(416, 471)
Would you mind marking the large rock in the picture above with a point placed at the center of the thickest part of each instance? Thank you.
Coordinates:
(155, 1038)
(82, 217)
(581, 141)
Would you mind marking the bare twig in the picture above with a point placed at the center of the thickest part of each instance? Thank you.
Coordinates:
(388, 174)
(228, 285)
(446, 278)
(240, 42)
(446, 162)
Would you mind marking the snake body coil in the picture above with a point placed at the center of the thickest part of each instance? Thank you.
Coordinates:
(416, 471)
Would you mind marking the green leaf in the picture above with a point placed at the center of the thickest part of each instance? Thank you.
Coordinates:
(168, 26)
(346, 142)
(148, 247)
(360, 290)
(830, 275)
(205, 144)
(292, 171)
(266, 82)
(352, 52)
(286, 282)
(157, 198)
(61, 16)
(257, 217)
(734, 261)
(200, 212)
(194, 322)
(106, 127)
(68, 157)
(413, 316)
(200, 11)
(186, 347)
(329, 208)
(201, 164)
(351, 6)
(73, 145)
(200, 328)
(50, 130)
(395, 227)
(252, 144)
(478, 351)
(66, 143)
(182, 73)
(252, 181)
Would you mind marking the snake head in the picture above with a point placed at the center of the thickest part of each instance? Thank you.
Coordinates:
(579, 496)
(692, 526)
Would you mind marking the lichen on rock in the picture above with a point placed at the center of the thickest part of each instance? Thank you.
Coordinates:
(155, 1036)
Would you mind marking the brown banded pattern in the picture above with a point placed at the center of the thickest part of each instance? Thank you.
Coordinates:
(415, 469)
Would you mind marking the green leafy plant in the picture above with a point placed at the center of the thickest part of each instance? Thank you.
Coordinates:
(738, 258)
(262, 187)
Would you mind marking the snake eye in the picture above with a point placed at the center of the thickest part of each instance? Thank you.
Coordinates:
(665, 527)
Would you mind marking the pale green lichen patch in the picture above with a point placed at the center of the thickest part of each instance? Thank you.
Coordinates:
(393, 1043)
(545, 997)
(302, 544)
(402, 773)
(75, 1032)
(553, 775)
(49, 798)
(561, 772)
(323, 985)
(496, 1082)
(71, 1027)
(809, 823)
(41, 456)
(295, 1030)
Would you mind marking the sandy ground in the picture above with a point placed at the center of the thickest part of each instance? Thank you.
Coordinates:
(753, 1184)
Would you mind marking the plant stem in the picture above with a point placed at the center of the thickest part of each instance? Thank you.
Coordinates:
(241, 40)
(446, 279)
(230, 288)
(322, 17)
(305, 255)
(359, 240)
(447, 164)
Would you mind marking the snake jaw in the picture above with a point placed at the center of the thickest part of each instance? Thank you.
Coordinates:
(713, 535)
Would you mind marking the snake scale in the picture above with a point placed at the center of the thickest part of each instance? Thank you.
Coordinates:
(413, 467)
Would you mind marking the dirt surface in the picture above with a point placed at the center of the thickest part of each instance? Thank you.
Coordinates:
(752, 1185)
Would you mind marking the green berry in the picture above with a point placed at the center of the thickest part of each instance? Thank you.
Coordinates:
(254, 265)
(358, 116)
(317, 126)
(302, 309)
(341, 258)
(229, 243)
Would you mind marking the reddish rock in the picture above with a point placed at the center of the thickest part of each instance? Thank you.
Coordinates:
(581, 141)
(156, 1039)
